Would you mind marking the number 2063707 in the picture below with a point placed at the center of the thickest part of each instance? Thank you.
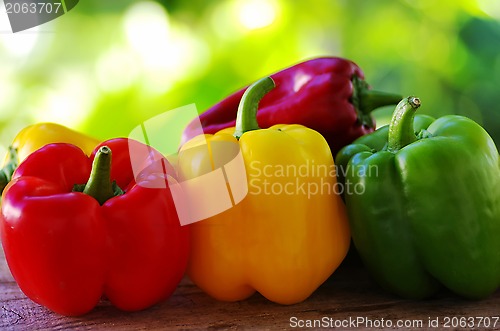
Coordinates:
(33, 7)
(470, 322)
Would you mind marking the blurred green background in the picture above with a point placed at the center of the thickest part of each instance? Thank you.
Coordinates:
(106, 66)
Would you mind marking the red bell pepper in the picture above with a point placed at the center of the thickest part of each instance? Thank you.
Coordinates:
(327, 94)
(66, 249)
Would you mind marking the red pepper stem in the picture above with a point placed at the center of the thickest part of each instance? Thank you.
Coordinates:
(366, 100)
(371, 100)
(8, 170)
(246, 118)
(401, 132)
(99, 185)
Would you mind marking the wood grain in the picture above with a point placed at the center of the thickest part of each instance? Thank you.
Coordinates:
(348, 294)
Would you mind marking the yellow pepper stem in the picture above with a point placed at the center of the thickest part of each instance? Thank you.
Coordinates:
(246, 118)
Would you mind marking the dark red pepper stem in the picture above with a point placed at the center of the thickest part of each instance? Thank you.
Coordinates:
(99, 185)
(246, 118)
(366, 100)
(8, 170)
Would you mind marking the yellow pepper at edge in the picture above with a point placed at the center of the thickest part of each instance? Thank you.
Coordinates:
(36, 136)
(280, 244)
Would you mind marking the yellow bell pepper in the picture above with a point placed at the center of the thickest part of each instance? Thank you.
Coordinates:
(34, 137)
(289, 233)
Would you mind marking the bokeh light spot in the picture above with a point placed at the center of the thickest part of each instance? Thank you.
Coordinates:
(256, 14)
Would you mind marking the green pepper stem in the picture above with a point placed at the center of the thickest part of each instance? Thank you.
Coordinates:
(99, 185)
(246, 118)
(401, 132)
(8, 170)
(366, 100)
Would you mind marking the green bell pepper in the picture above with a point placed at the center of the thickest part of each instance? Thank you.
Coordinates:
(426, 211)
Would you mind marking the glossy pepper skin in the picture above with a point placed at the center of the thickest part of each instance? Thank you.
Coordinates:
(35, 136)
(281, 245)
(66, 250)
(327, 94)
(428, 214)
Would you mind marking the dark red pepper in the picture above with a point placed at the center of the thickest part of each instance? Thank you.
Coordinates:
(327, 94)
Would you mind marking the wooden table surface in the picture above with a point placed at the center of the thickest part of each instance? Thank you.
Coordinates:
(349, 297)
